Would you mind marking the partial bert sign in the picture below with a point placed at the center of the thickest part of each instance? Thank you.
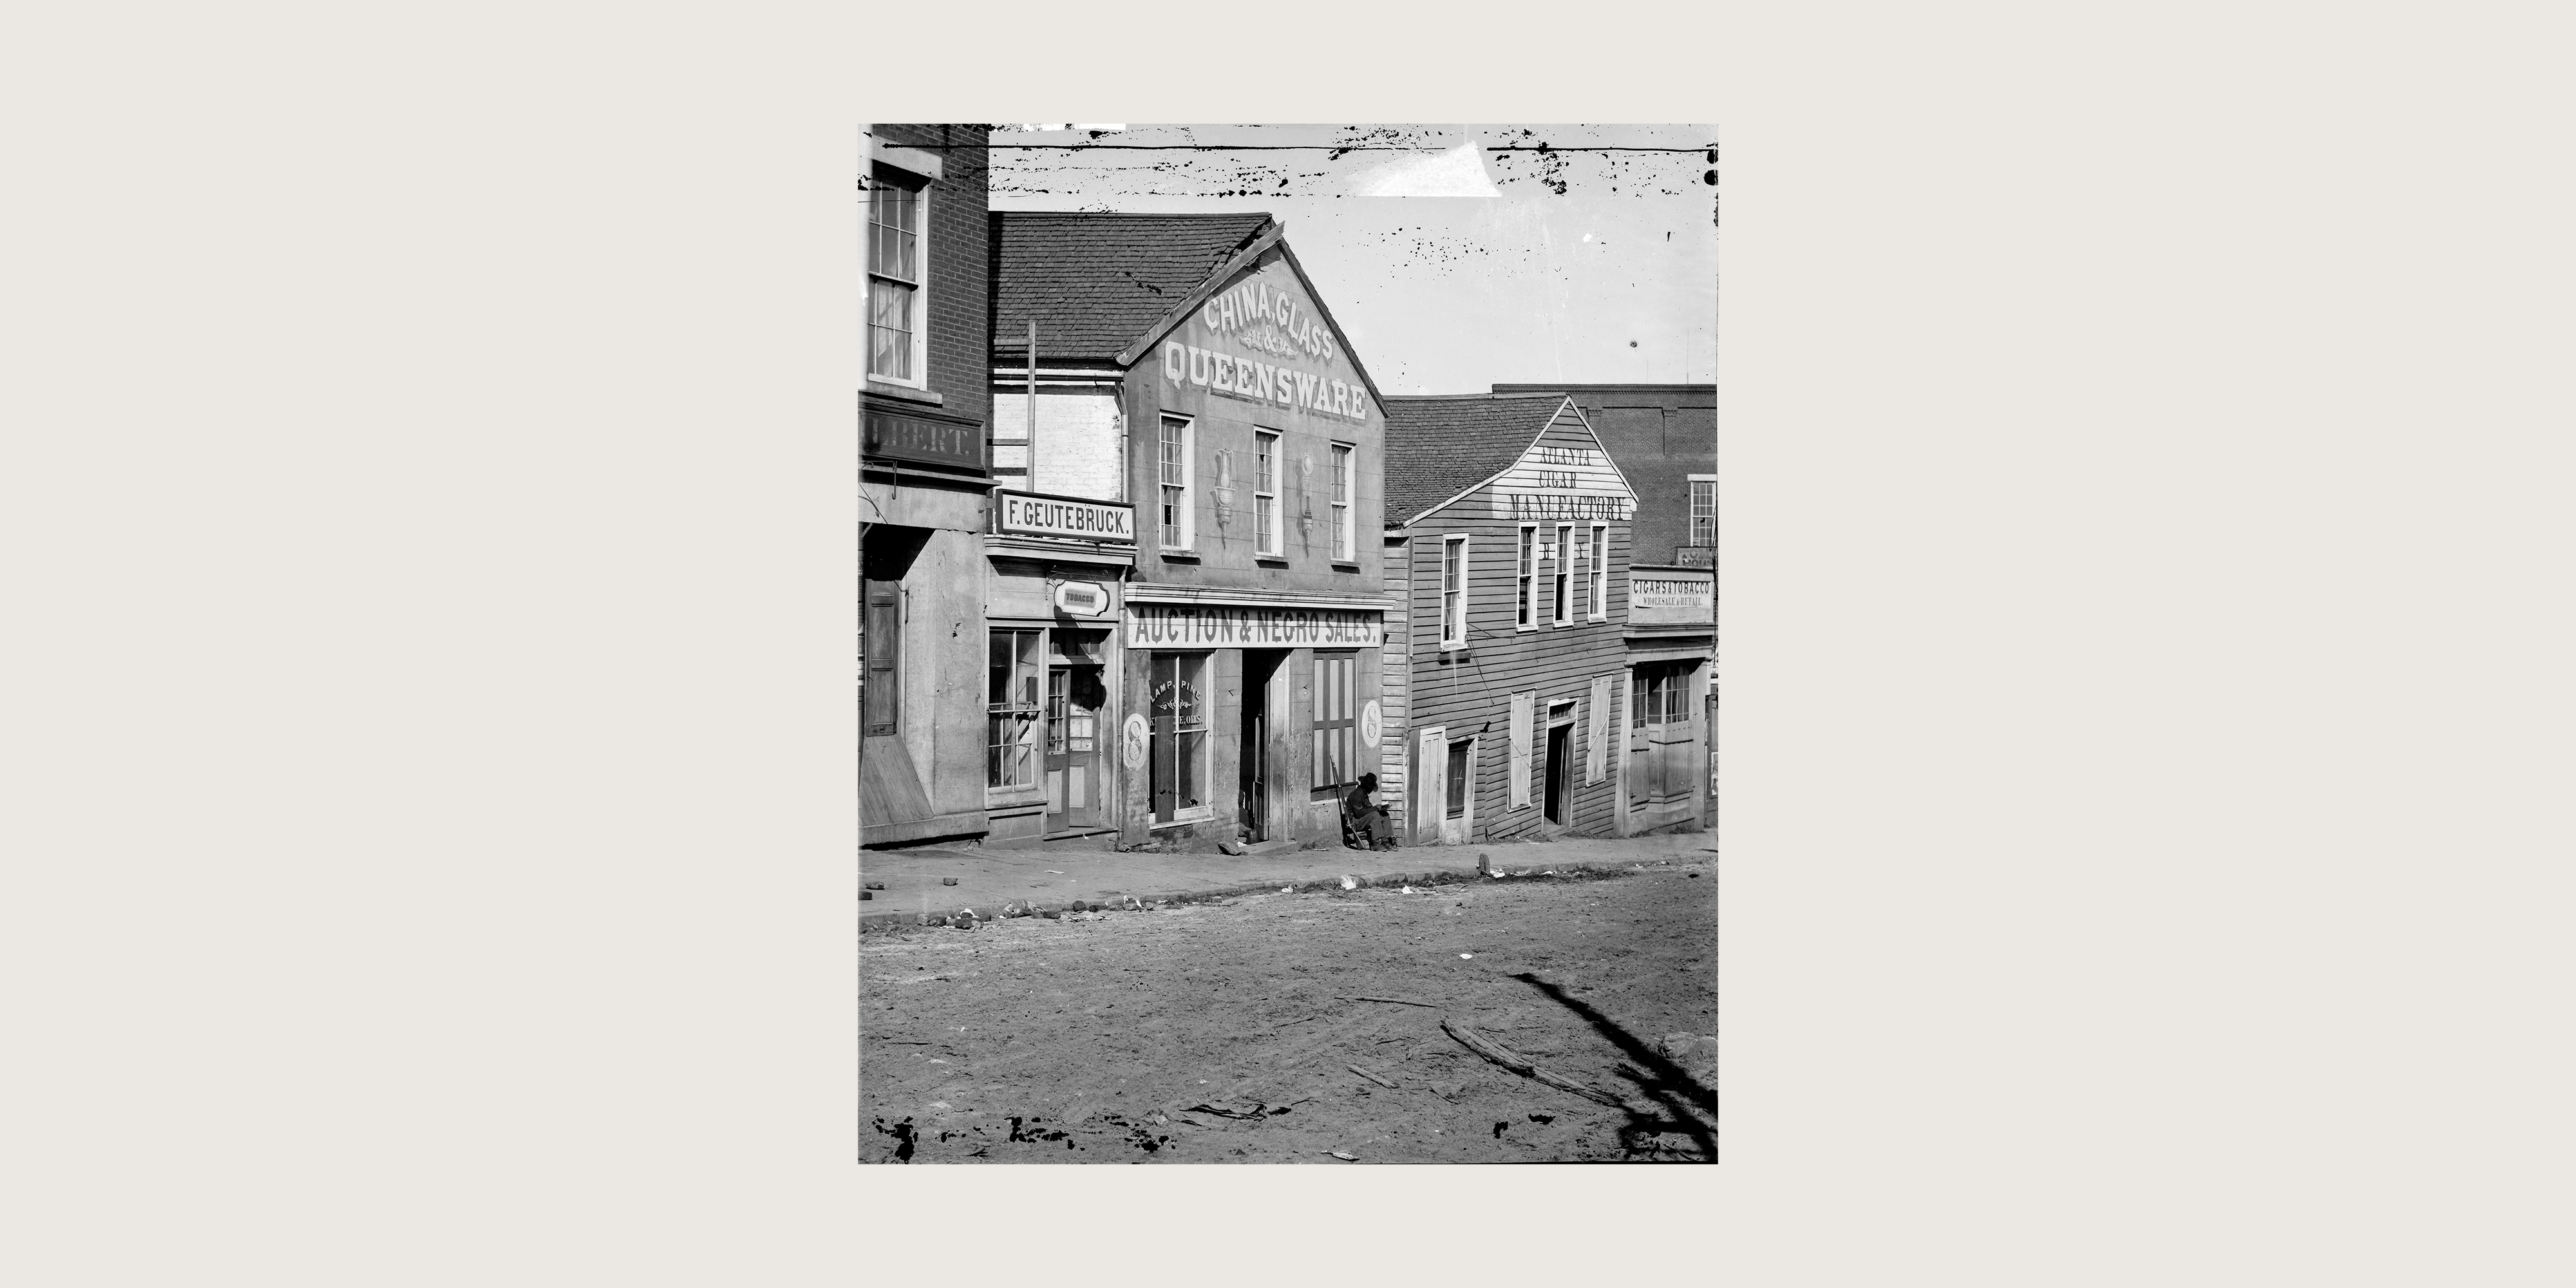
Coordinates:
(924, 439)
(1671, 596)
(1082, 598)
(1056, 516)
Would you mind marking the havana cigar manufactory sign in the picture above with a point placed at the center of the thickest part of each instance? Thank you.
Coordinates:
(1237, 626)
(1670, 596)
(1563, 481)
(1055, 516)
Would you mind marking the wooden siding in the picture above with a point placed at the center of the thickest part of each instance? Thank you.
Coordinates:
(1394, 666)
(1470, 691)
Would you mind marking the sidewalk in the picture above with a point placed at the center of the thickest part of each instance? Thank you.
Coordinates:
(988, 879)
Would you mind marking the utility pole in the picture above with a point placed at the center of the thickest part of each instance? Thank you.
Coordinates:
(1033, 405)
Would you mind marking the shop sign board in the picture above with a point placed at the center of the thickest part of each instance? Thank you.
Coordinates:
(896, 436)
(1051, 516)
(1240, 626)
(1670, 596)
(1696, 556)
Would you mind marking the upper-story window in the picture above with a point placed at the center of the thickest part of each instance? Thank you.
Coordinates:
(1582, 566)
(1703, 509)
(1564, 573)
(1600, 572)
(1345, 472)
(1453, 592)
(1174, 467)
(1525, 589)
(896, 304)
(1265, 490)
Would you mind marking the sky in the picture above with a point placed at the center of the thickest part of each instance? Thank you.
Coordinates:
(1454, 257)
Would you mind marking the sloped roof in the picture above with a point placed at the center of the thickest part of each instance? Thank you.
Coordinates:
(1096, 280)
(1439, 445)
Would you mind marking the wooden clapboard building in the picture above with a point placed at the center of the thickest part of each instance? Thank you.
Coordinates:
(1211, 679)
(1509, 686)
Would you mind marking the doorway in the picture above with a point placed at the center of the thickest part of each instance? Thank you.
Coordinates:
(1252, 742)
(1560, 772)
(1074, 696)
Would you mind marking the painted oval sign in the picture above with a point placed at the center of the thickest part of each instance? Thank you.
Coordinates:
(1082, 598)
(1132, 740)
(1369, 723)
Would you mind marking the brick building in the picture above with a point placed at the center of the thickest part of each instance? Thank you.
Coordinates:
(924, 481)
(1185, 376)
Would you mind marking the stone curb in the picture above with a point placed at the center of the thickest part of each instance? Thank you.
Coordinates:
(889, 920)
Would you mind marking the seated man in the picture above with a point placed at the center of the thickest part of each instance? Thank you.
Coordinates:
(1363, 817)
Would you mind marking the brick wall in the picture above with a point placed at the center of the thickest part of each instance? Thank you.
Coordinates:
(960, 266)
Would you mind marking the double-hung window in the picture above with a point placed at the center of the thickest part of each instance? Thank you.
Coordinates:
(1335, 745)
(1582, 567)
(1453, 592)
(1011, 709)
(895, 261)
(1525, 590)
(1564, 574)
(1344, 479)
(1703, 509)
(1265, 490)
(1600, 572)
(1174, 467)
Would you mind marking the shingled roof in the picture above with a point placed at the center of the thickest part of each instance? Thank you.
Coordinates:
(1096, 280)
(1439, 445)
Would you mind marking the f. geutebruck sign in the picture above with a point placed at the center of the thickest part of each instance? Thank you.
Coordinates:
(1047, 516)
(1229, 626)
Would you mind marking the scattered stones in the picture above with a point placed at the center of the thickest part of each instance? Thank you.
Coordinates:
(947, 880)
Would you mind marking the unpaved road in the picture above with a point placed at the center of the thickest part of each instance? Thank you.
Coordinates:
(1089, 1040)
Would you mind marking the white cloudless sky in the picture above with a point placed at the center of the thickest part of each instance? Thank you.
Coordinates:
(1611, 278)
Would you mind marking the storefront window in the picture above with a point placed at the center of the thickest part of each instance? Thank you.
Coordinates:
(1657, 692)
(1178, 709)
(1335, 740)
(1012, 707)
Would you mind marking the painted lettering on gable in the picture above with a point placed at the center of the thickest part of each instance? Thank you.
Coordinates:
(1566, 482)
(1259, 341)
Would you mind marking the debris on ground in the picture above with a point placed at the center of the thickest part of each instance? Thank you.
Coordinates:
(1347, 1158)
(947, 880)
(1372, 1077)
(1520, 1064)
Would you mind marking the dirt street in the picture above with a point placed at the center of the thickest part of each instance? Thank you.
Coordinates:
(1228, 1032)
